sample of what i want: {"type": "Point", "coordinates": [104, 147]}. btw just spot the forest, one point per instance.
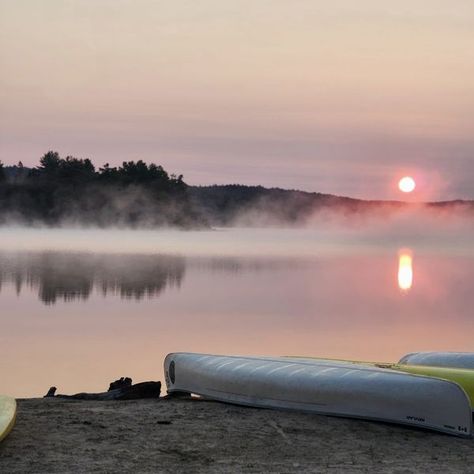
{"type": "Point", "coordinates": [72, 191]}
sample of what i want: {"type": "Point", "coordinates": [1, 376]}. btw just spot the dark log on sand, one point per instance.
{"type": "Point", "coordinates": [121, 389]}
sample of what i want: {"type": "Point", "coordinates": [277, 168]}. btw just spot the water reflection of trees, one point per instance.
{"type": "Point", "coordinates": [75, 276]}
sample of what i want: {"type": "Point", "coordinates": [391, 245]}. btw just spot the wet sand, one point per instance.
{"type": "Point", "coordinates": [149, 436]}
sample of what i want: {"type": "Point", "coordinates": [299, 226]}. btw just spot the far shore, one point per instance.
{"type": "Point", "coordinates": [196, 436]}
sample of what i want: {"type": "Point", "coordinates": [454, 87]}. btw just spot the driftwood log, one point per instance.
{"type": "Point", "coordinates": [121, 389]}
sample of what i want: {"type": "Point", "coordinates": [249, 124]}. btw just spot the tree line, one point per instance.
{"type": "Point", "coordinates": [71, 190]}
{"type": "Point", "coordinates": [70, 170]}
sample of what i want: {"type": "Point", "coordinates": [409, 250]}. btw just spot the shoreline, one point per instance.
{"type": "Point", "coordinates": [176, 435]}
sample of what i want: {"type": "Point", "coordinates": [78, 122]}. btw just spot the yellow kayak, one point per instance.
{"type": "Point", "coordinates": [7, 415]}
{"type": "Point", "coordinates": [463, 377]}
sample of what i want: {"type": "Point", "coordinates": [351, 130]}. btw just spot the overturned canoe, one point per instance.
{"type": "Point", "coordinates": [460, 360]}
{"type": "Point", "coordinates": [7, 415]}
{"type": "Point", "coordinates": [330, 388]}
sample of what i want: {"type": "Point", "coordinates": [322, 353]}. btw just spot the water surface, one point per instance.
{"type": "Point", "coordinates": [80, 308]}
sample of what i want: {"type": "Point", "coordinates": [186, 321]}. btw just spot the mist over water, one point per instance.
{"type": "Point", "coordinates": [449, 230]}
{"type": "Point", "coordinates": [81, 307]}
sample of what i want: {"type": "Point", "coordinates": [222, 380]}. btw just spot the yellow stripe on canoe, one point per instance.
{"type": "Point", "coordinates": [463, 377]}
{"type": "Point", "coordinates": [7, 415]}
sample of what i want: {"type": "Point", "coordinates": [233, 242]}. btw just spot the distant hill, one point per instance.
{"type": "Point", "coordinates": [253, 205]}
{"type": "Point", "coordinates": [71, 191]}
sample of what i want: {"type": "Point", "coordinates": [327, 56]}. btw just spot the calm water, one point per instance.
{"type": "Point", "coordinates": [80, 308]}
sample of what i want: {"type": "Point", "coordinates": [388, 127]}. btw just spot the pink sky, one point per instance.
{"type": "Point", "coordinates": [341, 97]}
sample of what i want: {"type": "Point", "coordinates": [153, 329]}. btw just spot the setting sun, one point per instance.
{"type": "Point", "coordinates": [407, 184]}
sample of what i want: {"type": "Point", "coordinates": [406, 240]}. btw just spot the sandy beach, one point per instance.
{"type": "Point", "coordinates": [149, 436]}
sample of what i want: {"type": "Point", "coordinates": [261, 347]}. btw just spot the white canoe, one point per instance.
{"type": "Point", "coordinates": [459, 360]}
{"type": "Point", "coordinates": [330, 388]}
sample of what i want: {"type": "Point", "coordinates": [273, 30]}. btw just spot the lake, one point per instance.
{"type": "Point", "coordinates": [82, 307]}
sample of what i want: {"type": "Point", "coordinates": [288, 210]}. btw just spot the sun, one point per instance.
{"type": "Point", "coordinates": [407, 184]}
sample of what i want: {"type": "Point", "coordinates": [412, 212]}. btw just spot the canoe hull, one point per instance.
{"type": "Point", "coordinates": [330, 388]}
{"type": "Point", "coordinates": [463, 377]}
{"type": "Point", "coordinates": [460, 360]}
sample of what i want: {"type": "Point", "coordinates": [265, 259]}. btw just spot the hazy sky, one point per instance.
{"type": "Point", "coordinates": [339, 96]}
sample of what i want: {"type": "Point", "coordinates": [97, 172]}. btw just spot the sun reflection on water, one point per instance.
{"type": "Point", "coordinates": [405, 269]}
